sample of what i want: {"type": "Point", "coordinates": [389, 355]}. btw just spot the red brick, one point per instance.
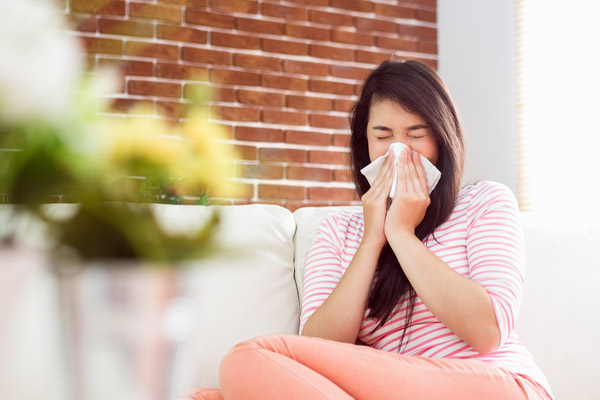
{"type": "Point", "coordinates": [284, 117]}
{"type": "Point", "coordinates": [190, 3]}
{"type": "Point", "coordinates": [354, 5]}
{"type": "Point", "coordinates": [306, 68]}
{"type": "Point", "coordinates": [236, 113]}
{"type": "Point", "coordinates": [255, 97]}
{"type": "Point", "coordinates": [102, 45]}
{"type": "Point", "coordinates": [258, 134]}
{"type": "Point", "coordinates": [430, 3]}
{"type": "Point", "coordinates": [257, 62]}
{"type": "Point", "coordinates": [198, 92]}
{"type": "Point", "coordinates": [330, 52]}
{"type": "Point", "coordinates": [240, 6]}
{"type": "Point", "coordinates": [420, 32]}
{"type": "Point", "coordinates": [341, 140]}
{"type": "Point", "coordinates": [181, 34]}
{"type": "Point", "coordinates": [328, 121]}
{"type": "Point", "coordinates": [154, 50]}
{"type": "Point", "coordinates": [260, 26]}
{"type": "Point", "coordinates": [129, 67]}
{"type": "Point", "coordinates": [285, 12]}
{"type": "Point", "coordinates": [371, 24]}
{"type": "Point", "coordinates": [152, 88]}
{"type": "Point", "coordinates": [307, 32]}
{"type": "Point", "coordinates": [364, 39]}
{"type": "Point", "coordinates": [327, 157]}
{"type": "Point", "coordinates": [396, 43]}
{"type": "Point", "coordinates": [84, 23]}
{"type": "Point", "coordinates": [123, 27]}
{"type": "Point", "coordinates": [234, 77]}
{"type": "Point", "coordinates": [170, 109]}
{"type": "Point", "coordinates": [311, 2]}
{"type": "Point", "coordinates": [156, 11]}
{"type": "Point", "coordinates": [181, 71]}
{"type": "Point", "coordinates": [284, 46]}
{"type": "Point", "coordinates": [125, 104]}
{"type": "Point", "coordinates": [209, 19]}
{"type": "Point", "coordinates": [342, 175]}
{"type": "Point", "coordinates": [206, 56]}
{"type": "Point", "coordinates": [426, 15]}
{"type": "Point", "coordinates": [234, 40]}
{"type": "Point", "coordinates": [331, 18]}
{"type": "Point", "coordinates": [372, 57]}
{"type": "Point", "coordinates": [323, 86]}
{"type": "Point", "coordinates": [284, 82]}
{"type": "Point", "coordinates": [307, 137]}
{"type": "Point", "coordinates": [426, 46]}
{"type": "Point", "coordinates": [245, 152]}
{"type": "Point", "coordinates": [281, 192]}
{"type": "Point", "coordinates": [309, 103]}
{"type": "Point", "coordinates": [254, 171]}
{"type": "Point", "coordinates": [344, 71]}
{"type": "Point", "coordinates": [394, 11]}
{"type": "Point", "coordinates": [282, 155]}
{"type": "Point", "coordinates": [102, 7]}
{"type": "Point", "coordinates": [343, 105]}
{"type": "Point", "coordinates": [332, 194]}
{"type": "Point", "coordinates": [309, 174]}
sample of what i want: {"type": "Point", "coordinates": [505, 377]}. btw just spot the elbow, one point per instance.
{"type": "Point", "coordinates": [487, 342]}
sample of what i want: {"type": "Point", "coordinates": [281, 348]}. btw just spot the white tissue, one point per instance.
{"type": "Point", "coordinates": [431, 172]}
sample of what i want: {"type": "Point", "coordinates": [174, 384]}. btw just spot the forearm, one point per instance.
{"type": "Point", "coordinates": [458, 302]}
{"type": "Point", "coordinates": [339, 318]}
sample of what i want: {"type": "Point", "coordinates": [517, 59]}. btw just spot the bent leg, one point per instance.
{"type": "Point", "coordinates": [294, 367]}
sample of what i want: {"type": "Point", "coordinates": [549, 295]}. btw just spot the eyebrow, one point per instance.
{"type": "Point", "coordinates": [418, 126]}
{"type": "Point", "coordinates": [410, 128]}
{"type": "Point", "coordinates": [382, 128]}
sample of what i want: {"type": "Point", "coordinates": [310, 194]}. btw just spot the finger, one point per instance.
{"type": "Point", "coordinates": [413, 175]}
{"type": "Point", "coordinates": [384, 179]}
{"type": "Point", "coordinates": [421, 173]}
{"type": "Point", "coordinates": [401, 184]}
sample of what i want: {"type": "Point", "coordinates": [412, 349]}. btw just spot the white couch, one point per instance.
{"type": "Point", "coordinates": [253, 289]}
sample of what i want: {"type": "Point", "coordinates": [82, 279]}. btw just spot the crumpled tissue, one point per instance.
{"type": "Point", "coordinates": [431, 172]}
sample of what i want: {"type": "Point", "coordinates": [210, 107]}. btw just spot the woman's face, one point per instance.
{"type": "Point", "coordinates": [389, 122]}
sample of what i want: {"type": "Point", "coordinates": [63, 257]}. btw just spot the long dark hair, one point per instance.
{"type": "Point", "coordinates": [418, 88]}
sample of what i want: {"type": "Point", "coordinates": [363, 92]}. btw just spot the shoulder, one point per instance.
{"type": "Point", "coordinates": [492, 199]}
{"type": "Point", "coordinates": [487, 193]}
{"type": "Point", "coordinates": [341, 224]}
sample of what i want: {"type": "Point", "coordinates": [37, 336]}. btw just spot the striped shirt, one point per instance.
{"type": "Point", "coordinates": [482, 240]}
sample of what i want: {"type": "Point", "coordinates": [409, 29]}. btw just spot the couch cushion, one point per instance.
{"type": "Point", "coordinates": [245, 292]}
{"type": "Point", "coordinates": [559, 320]}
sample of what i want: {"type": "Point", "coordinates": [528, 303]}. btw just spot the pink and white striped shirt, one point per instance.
{"type": "Point", "coordinates": [482, 240]}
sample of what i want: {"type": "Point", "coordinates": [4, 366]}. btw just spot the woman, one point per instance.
{"type": "Point", "coordinates": [414, 297]}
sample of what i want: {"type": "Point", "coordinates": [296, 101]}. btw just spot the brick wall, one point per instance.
{"type": "Point", "coordinates": [285, 73]}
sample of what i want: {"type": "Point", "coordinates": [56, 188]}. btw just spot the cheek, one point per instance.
{"type": "Point", "coordinates": [376, 150]}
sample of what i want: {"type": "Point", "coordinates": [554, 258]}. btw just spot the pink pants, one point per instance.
{"type": "Point", "coordinates": [295, 367]}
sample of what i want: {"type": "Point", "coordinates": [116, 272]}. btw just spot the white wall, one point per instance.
{"type": "Point", "coordinates": [477, 63]}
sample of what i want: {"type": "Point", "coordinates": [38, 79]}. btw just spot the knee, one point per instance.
{"type": "Point", "coordinates": [243, 356]}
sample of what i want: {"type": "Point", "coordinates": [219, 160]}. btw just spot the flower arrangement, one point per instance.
{"type": "Point", "coordinates": [63, 141]}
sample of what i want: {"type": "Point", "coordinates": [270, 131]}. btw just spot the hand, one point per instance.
{"type": "Point", "coordinates": [412, 196]}
{"type": "Point", "coordinates": [374, 203]}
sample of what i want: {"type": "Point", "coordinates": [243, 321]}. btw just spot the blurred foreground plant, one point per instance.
{"type": "Point", "coordinates": [68, 145]}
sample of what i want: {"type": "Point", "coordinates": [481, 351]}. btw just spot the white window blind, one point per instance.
{"type": "Point", "coordinates": [558, 115]}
